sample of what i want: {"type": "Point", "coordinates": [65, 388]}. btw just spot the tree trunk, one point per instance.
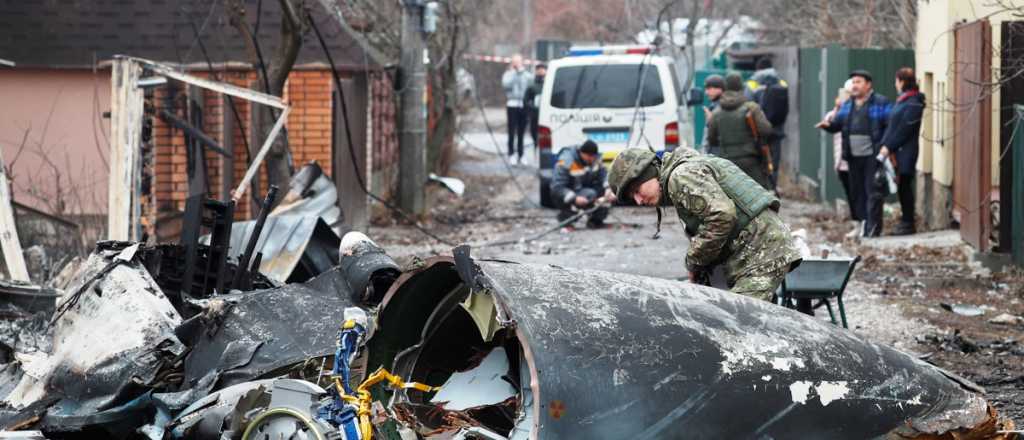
{"type": "Point", "coordinates": [272, 74]}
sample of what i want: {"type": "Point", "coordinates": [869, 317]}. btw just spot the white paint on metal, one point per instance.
{"type": "Point", "coordinates": [126, 112]}
{"type": "Point", "coordinates": [829, 392]}
{"type": "Point", "coordinates": [127, 321]}
{"type": "Point", "coordinates": [480, 386]}
{"type": "Point", "coordinates": [800, 391]}
{"type": "Point", "coordinates": [9, 242]}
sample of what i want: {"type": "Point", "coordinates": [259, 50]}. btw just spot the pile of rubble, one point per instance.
{"type": "Point", "coordinates": [452, 348]}
{"type": "Point", "coordinates": [280, 328]}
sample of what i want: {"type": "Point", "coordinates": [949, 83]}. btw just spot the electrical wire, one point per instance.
{"type": "Point", "coordinates": [399, 211]}
{"type": "Point", "coordinates": [351, 150]}
{"type": "Point", "coordinates": [231, 104]}
{"type": "Point", "coordinates": [504, 158]}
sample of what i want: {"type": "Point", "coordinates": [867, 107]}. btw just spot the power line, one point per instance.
{"type": "Point", "coordinates": [351, 150]}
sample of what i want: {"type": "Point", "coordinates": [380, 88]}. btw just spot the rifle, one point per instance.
{"type": "Point", "coordinates": [762, 143]}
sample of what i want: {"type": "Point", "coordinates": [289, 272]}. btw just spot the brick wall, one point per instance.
{"type": "Point", "coordinates": [308, 127]}
{"type": "Point", "coordinates": [384, 135]}
{"type": "Point", "coordinates": [309, 124]}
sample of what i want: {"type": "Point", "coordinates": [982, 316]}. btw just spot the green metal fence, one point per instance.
{"type": "Point", "coordinates": [699, 120]}
{"type": "Point", "coordinates": [822, 72]}
{"type": "Point", "coordinates": [1017, 216]}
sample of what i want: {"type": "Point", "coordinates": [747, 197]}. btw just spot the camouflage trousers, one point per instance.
{"type": "Point", "coordinates": [760, 285]}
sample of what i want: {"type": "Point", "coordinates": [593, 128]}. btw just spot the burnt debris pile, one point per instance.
{"type": "Point", "coordinates": [139, 344]}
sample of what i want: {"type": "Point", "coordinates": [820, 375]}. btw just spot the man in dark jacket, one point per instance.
{"type": "Point", "coordinates": [900, 142]}
{"type": "Point", "coordinates": [580, 180]}
{"type": "Point", "coordinates": [862, 120]}
{"type": "Point", "coordinates": [532, 100]}
{"type": "Point", "coordinates": [731, 134]}
{"type": "Point", "coordinates": [772, 94]}
{"type": "Point", "coordinates": [714, 86]}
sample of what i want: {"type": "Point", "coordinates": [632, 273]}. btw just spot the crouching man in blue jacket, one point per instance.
{"type": "Point", "coordinates": [580, 183]}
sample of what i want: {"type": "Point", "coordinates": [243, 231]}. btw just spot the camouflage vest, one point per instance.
{"type": "Point", "coordinates": [734, 137]}
{"type": "Point", "coordinates": [749, 197]}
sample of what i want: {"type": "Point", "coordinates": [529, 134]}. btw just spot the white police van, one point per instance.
{"type": "Point", "coordinates": [618, 96]}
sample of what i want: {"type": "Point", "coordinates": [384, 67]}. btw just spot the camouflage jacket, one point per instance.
{"type": "Point", "coordinates": [764, 245]}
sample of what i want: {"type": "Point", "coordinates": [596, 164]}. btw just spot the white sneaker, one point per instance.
{"type": "Point", "coordinates": [523, 160]}
{"type": "Point", "coordinates": [858, 230]}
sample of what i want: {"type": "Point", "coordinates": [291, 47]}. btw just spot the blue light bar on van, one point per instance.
{"type": "Point", "coordinates": [609, 50]}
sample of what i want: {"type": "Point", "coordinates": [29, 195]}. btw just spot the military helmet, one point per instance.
{"type": "Point", "coordinates": [629, 165]}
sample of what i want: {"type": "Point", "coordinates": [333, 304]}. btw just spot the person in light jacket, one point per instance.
{"type": "Point", "coordinates": [515, 81]}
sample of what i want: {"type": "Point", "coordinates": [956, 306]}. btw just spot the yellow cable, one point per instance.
{"type": "Point", "coordinates": [363, 400]}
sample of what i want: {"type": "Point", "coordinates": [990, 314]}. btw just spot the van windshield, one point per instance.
{"type": "Point", "coordinates": [606, 86]}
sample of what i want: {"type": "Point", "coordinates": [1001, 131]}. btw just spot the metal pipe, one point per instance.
{"type": "Point", "coordinates": [243, 262]}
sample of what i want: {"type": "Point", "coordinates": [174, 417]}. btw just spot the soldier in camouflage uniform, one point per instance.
{"type": "Point", "coordinates": [731, 134]}
{"type": "Point", "coordinates": [729, 218]}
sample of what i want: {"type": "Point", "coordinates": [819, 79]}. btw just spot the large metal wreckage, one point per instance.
{"type": "Point", "coordinates": [457, 348]}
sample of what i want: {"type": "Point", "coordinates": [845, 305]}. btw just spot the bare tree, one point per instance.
{"type": "Point", "coordinates": [272, 74]}
{"type": "Point", "coordinates": [851, 23]}
{"type": "Point", "coordinates": [378, 24]}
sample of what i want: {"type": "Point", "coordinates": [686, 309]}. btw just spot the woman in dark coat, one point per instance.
{"type": "Point", "coordinates": [900, 141]}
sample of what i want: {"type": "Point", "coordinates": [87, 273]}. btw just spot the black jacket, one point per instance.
{"type": "Point", "coordinates": [878, 114]}
{"type": "Point", "coordinates": [532, 92]}
{"type": "Point", "coordinates": [904, 129]}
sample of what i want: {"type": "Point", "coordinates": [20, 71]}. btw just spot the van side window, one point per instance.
{"type": "Point", "coordinates": [606, 86]}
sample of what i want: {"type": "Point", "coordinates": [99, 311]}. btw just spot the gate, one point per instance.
{"type": "Point", "coordinates": [972, 124]}
{"type": "Point", "coordinates": [1017, 211]}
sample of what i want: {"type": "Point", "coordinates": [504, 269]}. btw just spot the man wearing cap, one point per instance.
{"type": "Point", "coordinates": [862, 120]}
{"type": "Point", "coordinates": [579, 182]}
{"type": "Point", "coordinates": [731, 219]}
{"type": "Point", "coordinates": [736, 129]}
{"type": "Point", "coordinates": [714, 85]}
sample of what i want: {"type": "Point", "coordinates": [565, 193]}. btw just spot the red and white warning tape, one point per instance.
{"type": "Point", "coordinates": [496, 59]}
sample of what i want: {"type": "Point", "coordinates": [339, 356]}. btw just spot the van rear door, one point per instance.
{"type": "Point", "coordinates": [612, 103]}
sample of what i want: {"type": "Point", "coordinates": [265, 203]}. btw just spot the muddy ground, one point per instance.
{"type": "Point", "coordinates": [895, 296]}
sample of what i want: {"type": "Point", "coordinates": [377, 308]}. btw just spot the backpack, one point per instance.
{"type": "Point", "coordinates": [774, 101]}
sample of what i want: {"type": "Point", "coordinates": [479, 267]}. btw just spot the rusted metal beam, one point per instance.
{"type": "Point", "coordinates": [191, 130]}
{"type": "Point", "coordinates": [225, 88]}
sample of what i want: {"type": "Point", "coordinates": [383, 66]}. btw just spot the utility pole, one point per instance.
{"type": "Point", "coordinates": [527, 28]}
{"type": "Point", "coordinates": [412, 134]}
